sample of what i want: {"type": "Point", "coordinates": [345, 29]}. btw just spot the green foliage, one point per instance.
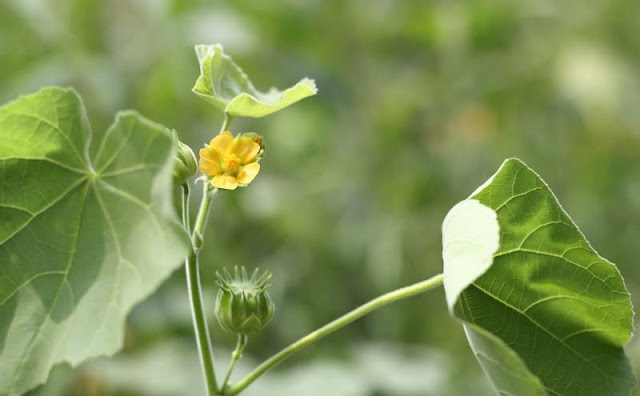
{"type": "Point", "coordinates": [224, 84]}
{"type": "Point", "coordinates": [82, 240]}
{"type": "Point", "coordinates": [549, 315]}
{"type": "Point", "coordinates": [406, 88]}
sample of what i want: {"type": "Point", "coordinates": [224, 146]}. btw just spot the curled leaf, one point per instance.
{"type": "Point", "coordinates": [223, 84]}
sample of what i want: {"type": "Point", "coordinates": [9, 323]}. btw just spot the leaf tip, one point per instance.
{"type": "Point", "coordinates": [203, 51]}
{"type": "Point", "coordinates": [311, 84]}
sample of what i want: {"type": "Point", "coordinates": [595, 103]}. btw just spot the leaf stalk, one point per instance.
{"type": "Point", "coordinates": [235, 356]}
{"type": "Point", "coordinates": [376, 303]}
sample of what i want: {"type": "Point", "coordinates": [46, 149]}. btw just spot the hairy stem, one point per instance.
{"type": "Point", "coordinates": [330, 327]}
{"type": "Point", "coordinates": [194, 287]}
{"type": "Point", "coordinates": [200, 323]}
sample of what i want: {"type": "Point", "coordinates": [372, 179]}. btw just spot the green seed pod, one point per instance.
{"type": "Point", "coordinates": [259, 140]}
{"type": "Point", "coordinates": [185, 164]}
{"type": "Point", "coordinates": [243, 305]}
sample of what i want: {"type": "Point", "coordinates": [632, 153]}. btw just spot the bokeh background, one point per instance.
{"type": "Point", "coordinates": [419, 102]}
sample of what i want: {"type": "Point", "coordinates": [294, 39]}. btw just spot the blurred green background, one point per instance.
{"type": "Point", "coordinates": [419, 102]}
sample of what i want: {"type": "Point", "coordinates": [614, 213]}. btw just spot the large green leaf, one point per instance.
{"type": "Point", "coordinates": [223, 84]}
{"type": "Point", "coordinates": [548, 315]}
{"type": "Point", "coordinates": [81, 240]}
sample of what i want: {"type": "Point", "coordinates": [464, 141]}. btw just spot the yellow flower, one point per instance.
{"type": "Point", "coordinates": [230, 162]}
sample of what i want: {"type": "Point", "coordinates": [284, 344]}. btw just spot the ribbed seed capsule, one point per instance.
{"type": "Point", "coordinates": [243, 304]}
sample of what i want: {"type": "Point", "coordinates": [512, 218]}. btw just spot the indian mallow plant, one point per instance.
{"type": "Point", "coordinates": [86, 234]}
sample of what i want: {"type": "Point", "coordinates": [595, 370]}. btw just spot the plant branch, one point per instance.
{"type": "Point", "coordinates": [192, 268]}
{"type": "Point", "coordinates": [342, 321]}
{"type": "Point", "coordinates": [194, 287]}
{"type": "Point", "coordinates": [200, 323]}
{"type": "Point", "coordinates": [226, 122]}
{"type": "Point", "coordinates": [235, 356]}
{"type": "Point", "coordinates": [203, 213]}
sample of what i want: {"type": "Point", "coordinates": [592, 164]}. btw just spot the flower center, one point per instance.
{"type": "Point", "coordinates": [231, 164]}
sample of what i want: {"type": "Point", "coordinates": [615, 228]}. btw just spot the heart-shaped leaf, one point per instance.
{"type": "Point", "coordinates": [81, 240]}
{"type": "Point", "coordinates": [548, 316]}
{"type": "Point", "coordinates": [223, 84]}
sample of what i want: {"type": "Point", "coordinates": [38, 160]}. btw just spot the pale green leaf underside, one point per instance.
{"type": "Point", "coordinates": [506, 370]}
{"type": "Point", "coordinates": [470, 237]}
{"type": "Point", "coordinates": [81, 240]}
{"type": "Point", "coordinates": [550, 316]}
{"type": "Point", "coordinates": [223, 84]}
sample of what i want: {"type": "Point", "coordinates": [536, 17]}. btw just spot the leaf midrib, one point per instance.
{"type": "Point", "coordinates": [540, 326]}
{"type": "Point", "coordinates": [55, 299]}
{"type": "Point", "coordinates": [55, 128]}
{"type": "Point", "coordinates": [46, 207]}
{"type": "Point", "coordinates": [465, 308]}
{"type": "Point", "coordinates": [89, 182]}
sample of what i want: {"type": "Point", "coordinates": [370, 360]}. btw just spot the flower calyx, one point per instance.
{"type": "Point", "coordinates": [243, 304]}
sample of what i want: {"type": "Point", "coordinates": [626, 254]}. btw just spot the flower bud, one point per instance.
{"type": "Point", "coordinates": [243, 305]}
{"type": "Point", "coordinates": [257, 139]}
{"type": "Point", "coordinates": [185, 164]}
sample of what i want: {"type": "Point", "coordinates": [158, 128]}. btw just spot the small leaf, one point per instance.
{"type": "Point", "coordinates": [549, 316]}
{"type": "Point", "coordinates": [224, 84]}
{"type": "Point", "coordinates": [81, 240]}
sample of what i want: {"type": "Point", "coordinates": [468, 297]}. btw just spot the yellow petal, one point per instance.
{"type": "Point", "coordinates": [222, 143]}
{"type": "Point", "coordinates": [248, 173]}
{"type": "Point", "coordinates": [245, 149]}
{"type": "Point", "coordinates": [225, 182]}
{"type": "Point", "coordinates": [210, 162]}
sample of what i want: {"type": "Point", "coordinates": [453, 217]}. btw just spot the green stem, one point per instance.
{"type": "Point", "coordinates": [235, 356]}
{"type": "Point", "coordinates": [342, 321]}
{"type": "Point", "coordinates": [226, 122]}
{"type": "Point", "coordinates": [200, 323]}
{"type": "Point", "coordinates": [201, 329]}
{"type": "Point", "coordinates": [203, 212]}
